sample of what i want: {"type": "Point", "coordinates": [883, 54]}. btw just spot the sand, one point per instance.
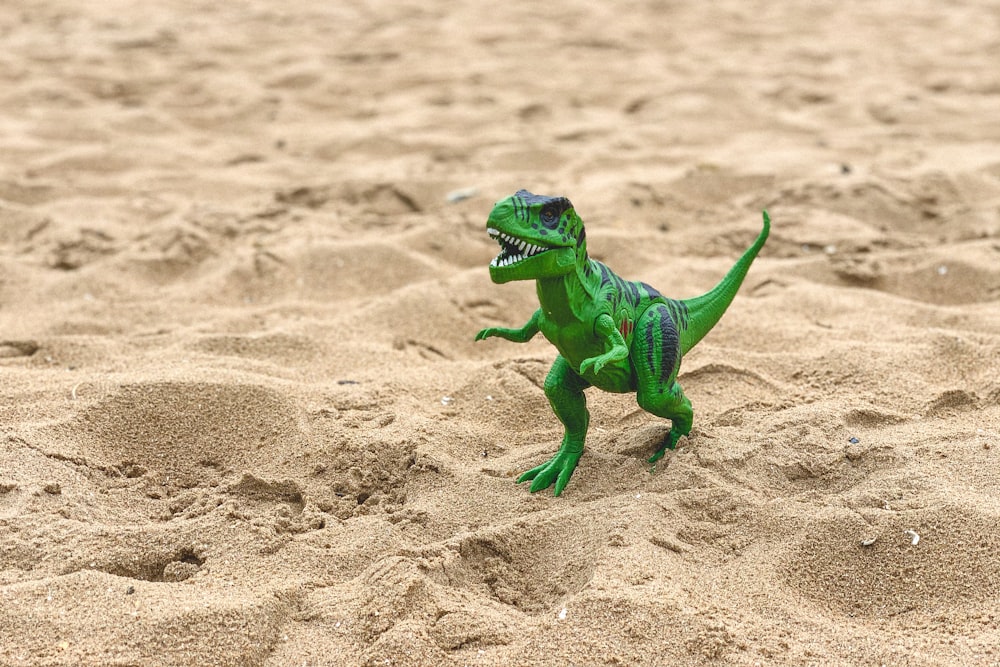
{"type": "Point", "coordinates": [243, 257]}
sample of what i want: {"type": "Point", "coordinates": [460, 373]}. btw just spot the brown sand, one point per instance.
{"type": "Point", "coordinates": [243, 418]}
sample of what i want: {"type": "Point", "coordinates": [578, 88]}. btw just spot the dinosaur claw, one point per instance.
{"type": "Point", "coordinates": [539, 484]}
{"type": "Point", "coordinates": [526, 476]}
{"type": "Point", "coordinates": [558, 470]}
{"type": "Point", "coordinates": [670, 442]}
{"type": "Point", "coordinates": [562, 481]}
{"type": "Point", "coordinates": [595, 365]}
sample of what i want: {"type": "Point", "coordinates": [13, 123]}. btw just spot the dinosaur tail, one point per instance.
{"type": "Point", "coordinates": [703, 312]}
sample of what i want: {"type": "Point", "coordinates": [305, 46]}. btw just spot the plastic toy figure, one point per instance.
{"type": "Point", "coordinates": [613, 334]}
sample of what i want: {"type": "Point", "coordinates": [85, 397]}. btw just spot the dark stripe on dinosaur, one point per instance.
{"type": "Point", "coordinates": [651, 291]}
{"type": "Point", "coordinates": [515, 203]}
{"type": "Point", "coordinates": [609, 283]}
{"type": "Point", "coordinates": [633, 291]}
{"type": "Point", "coordinates": [619, 287]}
{"type": "Point", "coordinates": [631, 294]}
{"type": "Point", "coordinates": [605, 275]}
{"type": "Point", "coordinates": [678, 311]}
{"type": "Point", "coordinates": [669, 346]}
{"type": "Point", "coordinates": [682, 313]}
{"type": "Point", "coordinates": [622, 287]}
{"type": "Point", "coordinates": [520, 209]}
{"type": "Point", "coordinates": [530, 199]}
{"type": "Point", "coordinates": [650, 345]}
{"type": "Point", "coordinates": [672, 308]}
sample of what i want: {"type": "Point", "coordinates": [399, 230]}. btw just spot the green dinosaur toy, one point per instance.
{"type": "Point", "coordinates": [613, 334]}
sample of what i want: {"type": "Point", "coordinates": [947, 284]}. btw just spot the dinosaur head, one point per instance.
{"type": "Point", "coordinates": [539, 237]}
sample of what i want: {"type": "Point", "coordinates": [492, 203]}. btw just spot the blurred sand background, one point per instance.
{"type": "Point", "coordinates": [242, 417]}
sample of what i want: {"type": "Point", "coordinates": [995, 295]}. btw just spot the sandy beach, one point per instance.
{"type": "Point", "coordinates": [243, 258]}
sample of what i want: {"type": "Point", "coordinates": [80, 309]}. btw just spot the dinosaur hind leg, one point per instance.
{"type": "Point", "coordinates": [564, 389]}
{"type": "Point", "coordinates": [671, 404]}
{"type": "Point", "coordinates": [656, 354]}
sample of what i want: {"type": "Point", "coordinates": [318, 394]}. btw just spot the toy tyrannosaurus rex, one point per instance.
{"type": "Point", "coordinates": [613, 334]}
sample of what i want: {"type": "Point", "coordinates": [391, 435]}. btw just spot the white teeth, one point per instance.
{"type": "Point", "coordinates": [514, 249]}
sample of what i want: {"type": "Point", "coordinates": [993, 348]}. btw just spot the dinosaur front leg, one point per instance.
{"type": "Point", "coordinates": [656, 355]}
{"type": "Point", "coordinates": [522, 335]}
{"type": "Point", "coordinates": [564, 389]}
{"type": "Point", "coordinates": [604, 327]}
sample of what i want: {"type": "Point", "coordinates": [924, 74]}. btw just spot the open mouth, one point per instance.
{"type": "Point", "coordinates": [512, 250]}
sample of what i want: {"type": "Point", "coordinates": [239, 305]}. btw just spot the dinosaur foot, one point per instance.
{"type": "Point", "coordinates": [669, 442]}
{"type": "Point", "coordinates": [558, 470]}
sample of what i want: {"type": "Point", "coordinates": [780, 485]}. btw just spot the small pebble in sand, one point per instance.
{"type": "Point", "coordinates": [853, 440]}
{"type": "Point", "coordinates": [914, 538]}
{"type": "Point", "coordinates": [456, 196]}
{"type": "Point", "coordinates": [868, 541]}
{"type": "Point", "coordinates": [446, 400]}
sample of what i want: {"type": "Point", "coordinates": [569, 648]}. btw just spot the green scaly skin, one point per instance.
{"type": "Point", "coordinates": [613, 334]}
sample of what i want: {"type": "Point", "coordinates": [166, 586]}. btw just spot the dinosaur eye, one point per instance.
{"type": "Point", "coordinates": [549, 216]}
